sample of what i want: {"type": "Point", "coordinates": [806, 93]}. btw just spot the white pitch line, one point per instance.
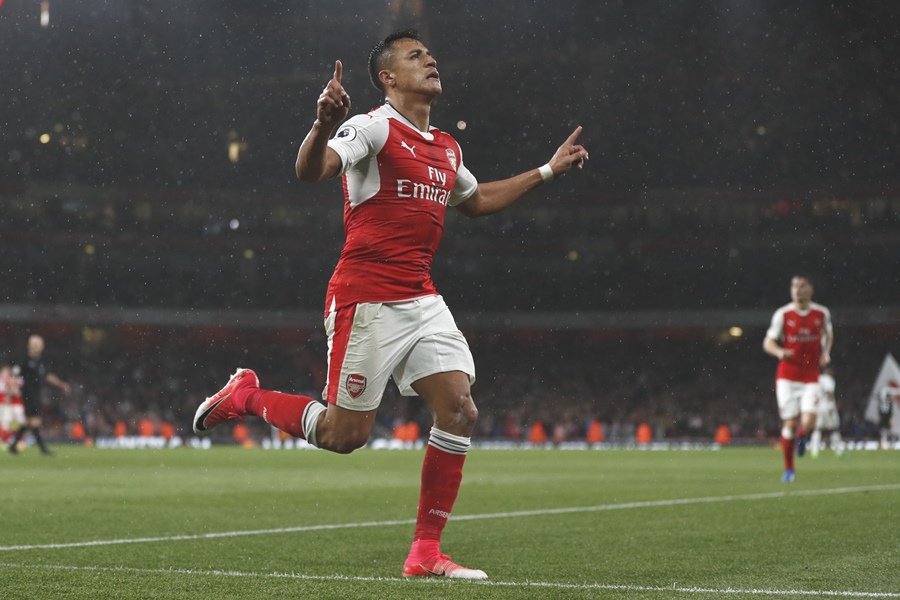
{"type": "Point", "coordinates": [206, 536]}
{"type": "Point", "coordinates": [510, 584]}
{"type": "Point", "coordinates": [503, 515]}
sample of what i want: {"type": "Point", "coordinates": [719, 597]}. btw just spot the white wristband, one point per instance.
{"type": "Point", "coordinates": [546, 173]}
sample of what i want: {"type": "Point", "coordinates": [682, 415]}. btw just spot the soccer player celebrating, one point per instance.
{"type": "Point", "coordinates": [383, 315]}
{"type": "Point", "coordinates": [800, 337]}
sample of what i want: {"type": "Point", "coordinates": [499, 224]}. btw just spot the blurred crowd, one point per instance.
{"type": "Point", "coordinates": [669, 95]}
{"type": "Point", "coordinates": [697, 249]}
{"type": "Point", "coordinates": [683, 387]}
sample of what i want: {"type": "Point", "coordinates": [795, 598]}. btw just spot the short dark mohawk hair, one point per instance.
{"type": "Point", "coordinates": [380, 53]}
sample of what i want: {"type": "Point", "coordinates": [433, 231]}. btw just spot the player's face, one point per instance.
{"type": "Point", "coordinates": [414, 69]}
{"type": "Point", "coordinates": [801, 290]}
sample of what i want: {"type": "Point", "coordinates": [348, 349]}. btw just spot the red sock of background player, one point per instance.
{"type": "Point", "coordinates": [441, 477]}
{"type": "Point", "coordinates": [292, 414]}
{"type": "Point", "coordinates": [787, 447]}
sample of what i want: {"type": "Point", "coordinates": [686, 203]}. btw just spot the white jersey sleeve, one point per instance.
{"type": "Point", "coordinates": [776, 327]}
{"type": "Point", "coordinates": [827, 327]}
{"type": "Point", "coordinates": [465, 186]}
{"type": "Point", "coordinates": [359, 137]}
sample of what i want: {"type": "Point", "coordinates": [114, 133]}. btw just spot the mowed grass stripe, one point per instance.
{"type": "Point", "coordinates": [515, 514]}
{"type": "Point", "coordinates": [513, 584]}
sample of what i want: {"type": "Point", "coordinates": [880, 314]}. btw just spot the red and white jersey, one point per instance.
{"type": "Point", "coordinates": [10, 387]}
{"type": "Point", "coordinates": [803, 332]}
{"type": "Point", "coordinates": [398, 182]}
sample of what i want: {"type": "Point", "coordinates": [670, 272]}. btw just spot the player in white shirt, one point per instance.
{"type": "Point", "coordinates": [828, 420]}
{"type": "Point", "coordinates": [383, 315]}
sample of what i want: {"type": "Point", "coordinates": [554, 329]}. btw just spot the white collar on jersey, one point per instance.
{"type": "Point", "coordinates": [399, 116]}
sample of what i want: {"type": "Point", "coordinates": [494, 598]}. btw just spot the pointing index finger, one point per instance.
{"type": "Point", "coordinates": [338, 68]}
{"type": "Point", "coordinates": [571, 139]}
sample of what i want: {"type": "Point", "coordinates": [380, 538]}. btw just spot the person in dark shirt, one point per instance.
{"type": "Point", "coordinates": [886, 399]}
{"type": "Point", "coordinates": [34, 373]}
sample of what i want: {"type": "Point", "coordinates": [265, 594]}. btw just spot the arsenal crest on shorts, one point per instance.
{"type": "Point", "coordinates": [356, 385]}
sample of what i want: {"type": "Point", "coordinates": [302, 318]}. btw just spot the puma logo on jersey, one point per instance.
{"type": "Point", "coordinates": [412, 149]}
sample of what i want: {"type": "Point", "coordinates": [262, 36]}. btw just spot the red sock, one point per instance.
{"type": "Point", "coordinates": [284, 411]}
{"type": "Point", "coordinates": [787, 448]}
{"type": "Point", "coordinates": [441, 476]}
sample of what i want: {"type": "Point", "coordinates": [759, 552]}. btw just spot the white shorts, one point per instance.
{"type": "Point", "coordinates": [371, 342]}
{"type": "Point", "coordinates": [11, 414]}
{"type": "Point", "coordinates": [795, 397]}
{"type": "Point", "coordinates": [827, 416]}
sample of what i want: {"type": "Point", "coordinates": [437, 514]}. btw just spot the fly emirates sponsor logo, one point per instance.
{"type": "Point", "coordinates": [434, 189]}
{"type": "Point", "coordinates": [804, 336]}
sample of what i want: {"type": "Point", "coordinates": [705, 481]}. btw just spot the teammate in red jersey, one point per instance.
{"type": "Point", "coordinates": [800, 337]}
{"type": "Point", "coordinates": [12, 411]}
{"type": "Point", "coordinates": [383, 315]}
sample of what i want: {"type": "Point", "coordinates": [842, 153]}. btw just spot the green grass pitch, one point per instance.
{"type": "Point", "coordinates": [252, 523]}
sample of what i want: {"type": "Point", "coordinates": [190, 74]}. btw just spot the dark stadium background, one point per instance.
{"type": "Point", "coordinates": [152, 229]}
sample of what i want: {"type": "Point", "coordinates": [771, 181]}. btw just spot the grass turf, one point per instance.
{"type": "Point", "coordinates": [237, 523]}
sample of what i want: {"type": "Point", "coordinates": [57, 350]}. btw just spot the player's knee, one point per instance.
{"type": "Point", "coordinates": [465, 413]}
{"type": "Point", "coordinates": [343, 442]}
{"type": "Point", "coordinates": [470, 412]}
{"type": "Point", "coordinates": [348, 446]}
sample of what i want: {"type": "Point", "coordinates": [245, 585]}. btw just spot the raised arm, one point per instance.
{"type": "Point", "coordinates": [315, 160]}
{"type": "Point", "coordinates": [494, 196]}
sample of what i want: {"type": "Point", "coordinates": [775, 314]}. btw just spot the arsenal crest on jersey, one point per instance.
{"type": "Point", "coordinates": [451, 156]}
{"type": "Point", "coordinates": [356, 385]}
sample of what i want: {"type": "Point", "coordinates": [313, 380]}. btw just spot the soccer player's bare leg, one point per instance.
{"type": "Point", "coordinates": [343, 431]}
{"type": "Point", "coordinates": [807, 422]}
{"type": "Point", "coordinates": [807, 425]}
{"type": "Point", "coordinates": [788, 444]}
{"type": "Point", "coordinates": [33, 424]}
{"type": "Point", "coordinates": [332, 428]}
{"type": "Point", "coordinates": [449, 398]}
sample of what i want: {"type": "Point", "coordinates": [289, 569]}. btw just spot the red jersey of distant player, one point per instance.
{"type": "Point", "coordinates": [801, 331]}
{"type": "Point", "coordinates": [398, 183]}
{"type": "Point", "coordinates": [10, 387]}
